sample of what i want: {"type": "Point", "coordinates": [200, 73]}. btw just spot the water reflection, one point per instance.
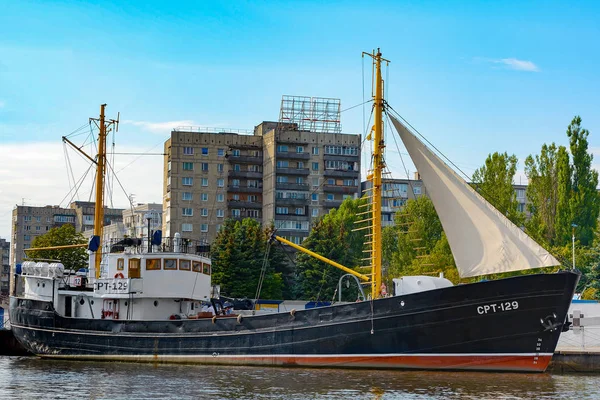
{"type": "Point", "coordinates": [32, 378]}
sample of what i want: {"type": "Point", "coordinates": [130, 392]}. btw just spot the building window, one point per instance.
{"type": "Point", "coordinates": [521, 207]}
{"type": "Point", "coordinates": [282, 179]}
{"type": "Point", "coordinates": [314, 197]}
{"type": "Point", "coordinates": [330, 197]}
{"type": "Point", "coordinates": [299, 211]}
{"type": "Point", "coordinates": [253, 168]}
{"type": "Point", "coordinates": [300, 165]}
{"type": "Point", "coordinates": [188, 166]}
{"type": "Point", "coordinates": [186, 196]}
{"type": "Point", "coordinates": [315, 182]}
{"type": "Point", "coordinates": [27, 218]}
{"type": "Point", "coordinates": [235, 183]}
{"type": "Point", "coordinates": [236, 197]}
{"type": "Point", "coordinates": [188, 151]}
{"type": "Point", "coordinates": [187, 212]}
{"type": "Point", "coordinates": [205, 151]}
{"type": "Point", "coordinates": [204, 228]}
{"type": "Point", "coordinates": [219, 167]}
{"type": "Point", "coordinates": [315, 212]}
{"type": "Point", "coordinates": [520, 193]}
{"type": "Point", "coordinates": [220, 152]}
{"type": "Point", "coordinates": [220, 213]}
{"type": "Point", "coordinates": [416, 189]}
{"type": "Point", "coordinates": [204, 196]}
{"type": "Point", "coordinates": [299, 180]}
{"type": "Point", "coordinates": [204, 181]}
{"type": "Point", "coordinates": [187, 181]}
{"type": "Point", "coordinates": [235, 153]}
{"type": "Point", "coordinates": [27, 227]}
{"type": "Point", "coordinates": [315, 166]}
{"type": "Point", "coordinates": [204, 212]}
{"type": "Point", "coordinates": [236, 167]}
{"type": "Point", "coordinates": [282, 148]}
{"type": "Point", "coordinates": [281, 210]}
{"type": "Point", "coordinates": [204, 166]}
{"type": "Point", "coordinates": [27, 238]}
{"type": "Point", "coordinates": [331, 181]}
{"type": "Point", "coordinates": [252, 198]}
{"type": "Point", "coordinates": [39, 219]}
{"type": "Point", "coordinates": [220, 182]}
{"type": "Point", "coordinates": [315, 151]}
{"type": "Point", "coordinates": [169, 166]}
{"type": "Point", "coordinates": [37, 228]}
{"type": "Point", "coordinates": [299, 149]}
{"type": "Point", "coordinates": [252, 184]}
{"type": "Point", "coordinates": [220, 197]}
{"type": "Point", "coordinates": [283, 164]}
{"type": "Point", "coordinates": [253, 213]}
{"type": "Point", "coordinates": [235, 212]}
{"type": "Point", "coordinates": [186, 227]}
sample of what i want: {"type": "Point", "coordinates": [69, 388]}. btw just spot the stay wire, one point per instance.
{"type": "Point", "coordinates": [263, 272]}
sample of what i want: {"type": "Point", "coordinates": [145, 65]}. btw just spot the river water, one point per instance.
{"type": "Point", "coordinates": [33, 378]}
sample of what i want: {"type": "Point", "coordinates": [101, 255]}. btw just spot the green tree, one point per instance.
{"type": "Point", "coordinates": [494, 181]}
{"type": "Point", "coordinates": [416, 244]}
{"type": "Point", "coordinates": [584, 199]}
{"type": "Point", "coordinates": [61, 236]}
{"type": "Point", "coordinates": [237, 260]}
{"type": "Point", "coordinates": [548, 193]}
{"type": "Point", "coordinates": [331, 237]}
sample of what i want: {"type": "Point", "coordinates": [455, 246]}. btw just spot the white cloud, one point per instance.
{"type": "Point", "coordinates": [511, 63]}
{"type": "Point", "coordinates": [160, 127]}
{"type": "Point", "coordinates": [36, 174]}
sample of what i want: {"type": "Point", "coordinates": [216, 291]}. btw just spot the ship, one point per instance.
{"type": "Point", "coordinates": [142, 300]}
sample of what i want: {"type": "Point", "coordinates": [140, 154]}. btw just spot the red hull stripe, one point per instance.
{"type": "Point", "coordinates": [491, 362]}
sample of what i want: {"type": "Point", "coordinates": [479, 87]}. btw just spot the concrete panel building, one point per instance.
{"type": "Point", "coordinates": [4, 267]}
{"type": "Point", "coordinates": [281, 173]}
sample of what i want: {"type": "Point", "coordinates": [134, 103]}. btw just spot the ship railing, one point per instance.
{"type": "Point", "coordinates": [167, 245]}
{"type": "Point", "coordinates": [584, 333]}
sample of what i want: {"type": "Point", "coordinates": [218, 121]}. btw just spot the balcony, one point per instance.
{"type": "Point", "coordinates": [332, 203]}
{"type": "Point", "coordinates": [291, 186]}
{"type": "Point", "coordinates": [290, 155]}
{"type": "Point", "coordinates": [291, 217]}
{"type": "Point", "coordinates": [292, 171]}
{"type": "Point", "coordinates": [244, 189]}
{"type": "Point", "coordinates": [291, 202]}
{"type": "Point", "coordinates": [342, 173]}
{"type": "Point", "coordinates": [245, 174]}
{"type": "Point", "coordinates": [244, 159]}
{"type": "Point", "coordinates": [340, 189]}
{"type": "Point", "coordinates": [340, 157]}
{"type": "Point", "coordinates": [244, 204]}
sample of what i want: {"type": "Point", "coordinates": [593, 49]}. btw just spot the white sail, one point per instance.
{"type": "Point", "coordinates": [483, 241]}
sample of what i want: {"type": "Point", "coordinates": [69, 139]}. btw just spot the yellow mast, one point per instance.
{"type": "Point", "coordinates": [103, 126]}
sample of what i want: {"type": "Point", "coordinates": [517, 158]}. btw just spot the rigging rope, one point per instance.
{"type": "Point", "coordinates": [263, 272]}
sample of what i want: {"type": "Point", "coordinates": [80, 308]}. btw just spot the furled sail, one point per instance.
{"type": "Point", "coordinates": [483, 241]}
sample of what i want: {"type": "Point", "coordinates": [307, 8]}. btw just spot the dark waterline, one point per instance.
{"type": "Point", "coordinates": [33, 378]}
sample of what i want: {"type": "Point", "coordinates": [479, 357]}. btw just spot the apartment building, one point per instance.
{"type": "Point", "coordinates": [4, 267]}
{"type": "Point", "coordinates": [281, 173]}
{"type": "Point", "coordinates": [396, 192]}
{"type": "Point", "coordinates": [29, 222]}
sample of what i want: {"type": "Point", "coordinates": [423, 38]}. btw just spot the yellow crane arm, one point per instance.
{"type": "Point", "coordinates": [327, 260]}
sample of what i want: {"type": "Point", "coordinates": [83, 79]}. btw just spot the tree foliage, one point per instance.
{"type": "Point", "coordinates": [331, 237]}
{"type": "Point", "coordinates": [238, 253]}
{"type": "Point", "coordinates": [416, 244]}
{"type": "Point", "coordinates": [494, 181]}
{"type": "Point", "coordinates": [61, 236]}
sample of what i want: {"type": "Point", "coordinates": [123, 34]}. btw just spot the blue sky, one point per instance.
{"type": "Point", "coordinates": [474, 77]}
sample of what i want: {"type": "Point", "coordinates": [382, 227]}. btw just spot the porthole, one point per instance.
{"type": "Point", "coordinates": [43, 285]}
{"type": "Point", "coordinates": [38, 284]}
{"type": "Point", "coordinates": [82, 301]}
{"type": "Point", "coordinates": [155, 303]}
{"type": "Point", "coordinates": [92, 302]}
{"type": "Point", "coordinates": [125, 304]}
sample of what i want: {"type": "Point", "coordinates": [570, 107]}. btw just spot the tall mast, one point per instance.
{"type": "Point", "coordinates": [103, 126]}
{"type": "Point", "coordinates": [375, 176]}
{"type": "Point", "coordinates": [100, 172]}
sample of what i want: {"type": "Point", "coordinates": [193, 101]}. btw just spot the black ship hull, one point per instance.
{"type": "Point", "coordinates": [505, 325]}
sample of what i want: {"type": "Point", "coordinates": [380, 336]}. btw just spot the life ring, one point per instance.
{"type": "Point", "coordinates": [119, 275]}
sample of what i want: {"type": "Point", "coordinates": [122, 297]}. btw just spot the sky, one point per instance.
{"type": "Point", "coordinates": [472, 77]}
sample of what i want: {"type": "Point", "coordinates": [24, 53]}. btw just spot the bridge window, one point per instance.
{"type": "Point", "coordinates": [197, 266]}
{"type": "Point", "coordinates": [153, 263]}
{"type": "Point", "coordinates": [206, 268]}
{"type": "Point", "coordinates": [184, 265]}
{"type": "Point", "coordinates": [120, 264]}
{"type": "Point", "coordinates": [170, 263]}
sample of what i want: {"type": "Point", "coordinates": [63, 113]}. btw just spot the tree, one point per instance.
{"type": "Point", "coordinates": [331, 237]}
{"type": "Point", "coordinates": [494, 181]}
{"type": "Point", "coordinates": [61, 236]}
{"type": "Point", "coordinates": [238, 254]}
{"type": "Point", "coordinates": [416, 244]}
{"type": "Point", "coordinates": [548, 193]}
{"type": "Point", "coordinates": [584, 199]}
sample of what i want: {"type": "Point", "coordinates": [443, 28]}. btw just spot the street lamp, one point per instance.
{"type": "Point", "coordinates": [573, 226]}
